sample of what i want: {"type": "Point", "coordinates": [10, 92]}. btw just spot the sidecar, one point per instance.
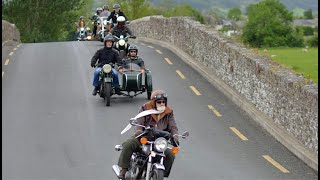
{"type": "Point", "coordinates": [133, 82]}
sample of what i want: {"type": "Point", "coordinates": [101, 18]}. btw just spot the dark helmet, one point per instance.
{"type": "Point", "coordinates": [133, 47]}
{"type": "Point", "coordinates": [81, 17]}
{"type": "Point", "coordinates": [116, 6]}
{"type": "Point", "coordinates": [105, 7]}
{"type": "Point", "coordinates": [159, 95]}
{"type": "Point", "coordinates": [108, 37]}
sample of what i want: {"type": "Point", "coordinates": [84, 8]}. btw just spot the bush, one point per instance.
{"type": "Point", "coordinates": [313, 42]}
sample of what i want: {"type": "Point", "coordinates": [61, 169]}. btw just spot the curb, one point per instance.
{"type": "Point", "coordinates": [286, 139]}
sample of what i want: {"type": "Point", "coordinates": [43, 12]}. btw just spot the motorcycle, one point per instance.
{"type": "Point", "coordinates": [105, 79]}
{"type": "Point", "coordinates": [148, 163]}
{"type": "Point", "coordinates": [122, 45]}
{"type": "Point", "coordinates": [103, 26]}
{"type": "Point", "coordinates": [83, 34]}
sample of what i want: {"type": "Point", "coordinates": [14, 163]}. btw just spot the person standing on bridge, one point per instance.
{"type": "Point", "coordinates": [106, 55]}
{"type": "Point", "coordinates": [164, 121]}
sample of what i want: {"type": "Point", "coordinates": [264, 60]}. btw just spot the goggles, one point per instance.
{"type": "Point", "coordinates": [161, 102]}
{"type": "Point", "coordinates": [161, 96]}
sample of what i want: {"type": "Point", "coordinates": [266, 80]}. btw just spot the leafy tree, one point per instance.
{"type": "Point", "coordinates": [313, 42]}
{"type": "Point", "coordinates": [185, 10]}
{"type": "Point", "coordinates": [308, 14]}
{"type": "Point", "coordinates": [234, 14]}
{"type": "Point", "coordinates": [43, 20]}
{"type": "Point", "coordinates": [269, 25]}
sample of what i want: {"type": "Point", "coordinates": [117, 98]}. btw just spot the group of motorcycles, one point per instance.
{"type": "Point", "coordinates": [148, 163]}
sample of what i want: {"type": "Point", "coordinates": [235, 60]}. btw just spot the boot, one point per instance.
{"type": "Point", "coordinates": [122, 174]}
{"type": "Point", "coordinates": [117, 90]}
{"type": "Point", "coordinates": [95, 91]}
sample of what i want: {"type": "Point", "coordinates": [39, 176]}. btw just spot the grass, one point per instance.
{"type": "Point", "coordinates": [299, 61]}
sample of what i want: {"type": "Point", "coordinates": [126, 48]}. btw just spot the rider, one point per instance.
{"type": "Point", "coordinates": [80, 24]}
{"type": "Point", "coordinates": [105, 56]}
{"type": "Point", "coordinates": [95, 18]}
{"type": "Point", "coordinates": [105, 12]}
{"type": "Point", "coordinates": [133, 58]}
{"type": "Point", "coordinates": [116, 13]}
{"type": "Point", "coordinates": [164, 121]}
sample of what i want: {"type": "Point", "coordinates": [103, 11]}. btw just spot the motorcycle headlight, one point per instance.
{"type": "Point", "coordinates": [161, 144]}
{"type": "Point", "coordinates": [82, 29]}
{"type": "Point", "coordinates": [88, 37]}
{"type": "Point", "coordinates": [106, 68]}
{"type": "Point", "coordinates": [88, 29]}
{"type": "Point", "coordinates": [122, 42]}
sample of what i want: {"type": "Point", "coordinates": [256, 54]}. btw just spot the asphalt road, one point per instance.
{"type": "Point", "coordinates": [53, 128]}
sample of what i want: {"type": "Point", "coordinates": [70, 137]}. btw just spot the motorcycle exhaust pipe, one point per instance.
{"type": "Point", "coordinates": [116, 170]}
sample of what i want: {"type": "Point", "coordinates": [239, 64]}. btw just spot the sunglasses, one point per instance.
{"type": "Point", "coordinates": [159, 102]}
{"type": "Point", "coordinates": [161, 96]}
{"type": "Point", "coordinates": [133, 51]}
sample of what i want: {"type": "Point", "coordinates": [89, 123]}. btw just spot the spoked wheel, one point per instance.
{"type": "Point", "coordinates": [107, 93]}
{"type": "Point", "coordinates": [157, 174]}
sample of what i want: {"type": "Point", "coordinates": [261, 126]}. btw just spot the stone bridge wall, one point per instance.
{"type": "Point", "coordinates": [288, 99]}
{"type": "Point", "coordinates": [9, 32]}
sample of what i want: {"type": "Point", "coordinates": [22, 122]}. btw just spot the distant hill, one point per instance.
{"type": "Point", "coordinates": [242, 4]}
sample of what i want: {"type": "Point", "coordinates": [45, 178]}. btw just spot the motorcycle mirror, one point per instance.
{"type": "Point", "coordinates": [132, 121]}
{"type": "Point", "coordinates": [185, 134]}
{"type": "Point", "coordinates": [127, 22]}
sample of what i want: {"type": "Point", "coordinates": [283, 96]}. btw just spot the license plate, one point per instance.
{"type": "Point", "coordinates": [107, 79]}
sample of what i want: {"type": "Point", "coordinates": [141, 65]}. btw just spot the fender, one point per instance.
{"type": "Point", "coordinates": [158, 166]}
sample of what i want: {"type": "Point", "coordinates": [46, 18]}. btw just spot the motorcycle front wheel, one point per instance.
{"type": "Point", "coordinates": [157, 174]}
{"type": "Point", "coordinates": [107, 93]}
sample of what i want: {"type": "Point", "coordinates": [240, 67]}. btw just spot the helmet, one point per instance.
{"type": "Point", "coordinates": [108, 37]}
{"type": "Point", "coordinates": [121, 20]}
{"type": "Point", "coordinates": [115, 6]}
{"type": "Point", "coordinates": [105, 7]}
{"type": "Point", "coordinates": [159, 94]}
{"type": "Point", "coordinates": [99, 10]}
{"type": "Point", "coordinates": [81, 17]}
{"type": "Point", "coordinates": [133, 47]}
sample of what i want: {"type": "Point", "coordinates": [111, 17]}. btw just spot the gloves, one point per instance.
{"type": "Point", "coordinates": [138, 132]}
{"type": "Point", "coordinates": [93, 65]}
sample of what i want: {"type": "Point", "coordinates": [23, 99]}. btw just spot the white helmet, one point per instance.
{"type": "Point", "coordinates": [121, 19]}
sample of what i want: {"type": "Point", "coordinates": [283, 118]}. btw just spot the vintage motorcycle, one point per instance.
{"type": "Point", "coordinates": [84, 34]}
{"type": "Point", "coordinates": [148, 163]}
{"type": "Point", "coordinates": [102, 28]}
{"type": "Point", "coordinates": [132, 81]}
{"type": "Point", "coordinates": [122, 45]}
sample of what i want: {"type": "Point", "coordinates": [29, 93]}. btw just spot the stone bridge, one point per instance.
{"type": "Point", "coordinates": [284, 104]}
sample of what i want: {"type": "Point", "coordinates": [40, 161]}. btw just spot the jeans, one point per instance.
{"type": "Point", "coordinates": [96, 82]}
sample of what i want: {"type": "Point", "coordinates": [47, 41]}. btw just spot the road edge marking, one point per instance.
{"type": "Point", "coordinates": [6, 62]}
{"type": "Point", "coordinates": [239, 134]}
{"type": "Point", "coordinates": [168, 61]}
{"type": "Point", "coordinates": [158, 51]}
{"type": "Point", "coordinates": [275, 163]}
{"type": "Point", "coordinates": [195, 90]}
{"type": "Point", "coordinates": [214, 111]}
{"type": "Point", "coordinates": [180, 74]}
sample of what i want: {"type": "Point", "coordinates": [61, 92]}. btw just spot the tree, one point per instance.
{"type": "Point", "coordinates": [234, 14]}
{"type": "Point", "coordinates": [269, 25]}
{"type": "Point", "coordinates": [42, 20]}
{"type": "Point", "coordinates": [308, 14]}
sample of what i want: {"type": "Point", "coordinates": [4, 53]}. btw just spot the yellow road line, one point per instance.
{"type": "Point", "coordinates": [6, 62]}
{"type": "Point", "coordinates": [180, 74]}
{"type": "Point", "coordinates": [2, 73]}
{"type": "Point", "coordinates": [11, 54]}
{"type": "Point", "coordinates": [159, 51]}
{"type": "Point", "coordinates": [14, 48]}
{"type": "Point", "coordinates": [214, 110]}
{"type": "Point", "coordinates": [150, 47]}
{"type": "Point", "coordinates": [168, 61]}
{"type": "Point", "coordinates": [235, 130]}
{"type": "Point", "coordinates": [276, 164]}
{"type": "Point", "coordinates": [19, 45]}
{"type": "Point", "coordinates": [195, 90]}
